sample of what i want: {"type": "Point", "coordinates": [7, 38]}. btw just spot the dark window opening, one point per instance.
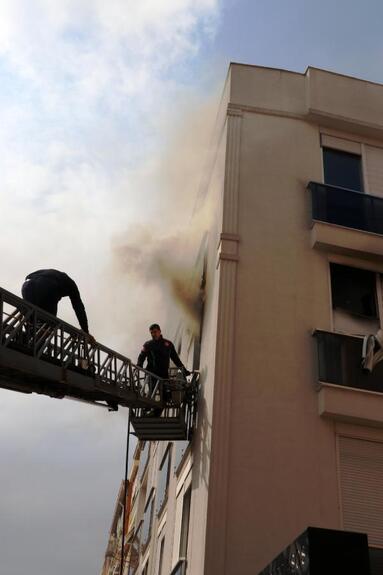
{"type": "Point", "coordinates": [342, 169]}
{"type": "Point", "coordinates": [185, 524]}
{"type": "Point", "coordinates": [354, 290]}
{"type": "Point", "coordinates": [161, 556]}
{"type": "Point", "coordinates": [144, 458]}
{"type": "Point", "coordinates": [163, 480]}
{"type": "Point", "coordinates": [147, 521]}
{"type": "Point", "coordinates": [180, 448]}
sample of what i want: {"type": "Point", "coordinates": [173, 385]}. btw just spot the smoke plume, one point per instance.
{"type": "Point", "coordinates": [167, 263]}
{"type": "Point", "coordinates": [158, 257]}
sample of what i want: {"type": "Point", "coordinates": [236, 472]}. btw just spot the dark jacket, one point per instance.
{"type": "Point", "coordinates": [45, 288]}
{"type": "Point", "coordinates": [158, 354]}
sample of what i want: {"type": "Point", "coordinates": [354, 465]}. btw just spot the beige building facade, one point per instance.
{"type": "Point", "coordinates": [290, 429]}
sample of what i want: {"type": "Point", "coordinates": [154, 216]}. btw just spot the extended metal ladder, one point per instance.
{"type": "Point", "coordinates": [40, 353]}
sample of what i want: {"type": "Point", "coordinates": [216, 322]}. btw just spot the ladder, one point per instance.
{"type": "Point", "coordinates": [40, 353]}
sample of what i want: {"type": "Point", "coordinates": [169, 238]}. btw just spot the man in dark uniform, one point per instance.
{"type": "Point", "coordinates": [45, 288]}
{"type": "Point", "coordinates": [158, 352]}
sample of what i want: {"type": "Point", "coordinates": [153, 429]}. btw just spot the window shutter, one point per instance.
{"type": "Point", "coordinates": [374, 168]}
{"type": "Point", "coordinates": [361, 479]}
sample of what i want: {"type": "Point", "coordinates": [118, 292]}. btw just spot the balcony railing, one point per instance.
{"type": "Point", "coordinates": [339, 362]}
{"type": "Point", "coordinates": [346, 208]}
{"type": "Point", "coordinates": [376, 561]}
{"type": "Point", "coordinates": [323, 551]}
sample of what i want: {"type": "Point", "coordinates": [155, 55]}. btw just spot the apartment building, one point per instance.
{"type": "Point", "coordinates": [289, 437]}
{"type": "Point", "coordinates": [123, 524]}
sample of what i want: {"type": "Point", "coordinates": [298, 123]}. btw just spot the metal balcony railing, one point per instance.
{"type": "Point", "coordinates": [177, 419]}
{"type": "Point", "coordinates": [376, 561]}
{"type": "Point", "coordinates": [339, 362]}
{"type": "Point", "coordinates": [346, 208]}
{"type": "Point", "coordinates": [323, 551]}
{"type": "Point", "coordinates": [42, 354]}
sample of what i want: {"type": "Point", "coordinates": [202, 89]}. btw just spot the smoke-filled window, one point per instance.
{"type": "Point", "coordinates": [355, 299]}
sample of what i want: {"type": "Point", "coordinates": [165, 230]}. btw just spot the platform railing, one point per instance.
{"type": "Point", "coordinates": [33, 332]}
{"type": "Point", "coordinates": [176, 417]}
{"type": "Point", "coordinates": [43, 354]}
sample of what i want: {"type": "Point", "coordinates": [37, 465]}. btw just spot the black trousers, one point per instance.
{"type": "Point", "coordinates": [166, 393]}
{"type": "Point", "coordinates": [39, 292]}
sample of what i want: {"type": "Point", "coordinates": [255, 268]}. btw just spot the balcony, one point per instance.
{"type": "Point", "coordinates": [326, 551]}
{"type": "Point", "coordinates": [346, 221]}
{"type": "Point", "coordinates": [376, 560]}
{"type": "Point", "coordinates": [345, 392]}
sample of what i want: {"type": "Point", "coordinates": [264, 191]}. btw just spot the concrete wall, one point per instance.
{"type": "Point", "coordinates": [202, 441]}
{"type": "Point", "coordinates": [282, 455]}
{"type": "Point", "coordinates": [279, 455]}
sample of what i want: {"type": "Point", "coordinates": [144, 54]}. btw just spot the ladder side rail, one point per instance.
{"type": "Point", "coordinates": [105, 364]}
{"type": "Point", "coordinates": [50, 337]}
{"type": "Point", "coordinates": [121, 376]}
{"type": "Point", "coordinates": [126, 380]}
{"type": "Point", "coordinates": [15, 326]}
{"type": "Point", "coordinates": [12, 320]}
{"type": "Point", "coordinates": [73, 352]}
{"type": "Point", "coordinates": [44, 343]}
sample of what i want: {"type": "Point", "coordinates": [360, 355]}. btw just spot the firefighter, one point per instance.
{"type": "Point", "coordinates": [158, 352]}
{"type": "Point", "coordinates": [45, 288]}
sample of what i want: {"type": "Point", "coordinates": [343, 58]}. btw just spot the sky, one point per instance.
{"type": "Point", "coordinates": [106, 110]}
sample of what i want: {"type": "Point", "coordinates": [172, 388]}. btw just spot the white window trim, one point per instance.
{"type": "Point", "coordinates": [341, 144]}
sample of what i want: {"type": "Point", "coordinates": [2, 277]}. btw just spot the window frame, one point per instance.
{"type": "Point", "coordinates": [185, 524]}
{"type": "Point", "coordinates": [149, 504]}
{"type": "Point", "coordinates": [345, 152]}
{"type": "Point", "coordinates": [166, 456]}
{"type": "Point", "coordinates": [161, 549]}
{"type": "Point", "coordinates": [378, 293]}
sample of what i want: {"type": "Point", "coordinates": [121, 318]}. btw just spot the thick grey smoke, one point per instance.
{"type": "Point", "coordinates": [155, 260]}
{"type": "Point", "coordinates": [165, 262]}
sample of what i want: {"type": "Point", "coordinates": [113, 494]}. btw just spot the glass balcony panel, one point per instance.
{"type": "Point", "coordinates": [346, 208]}
{"type": "Point", "coordinates": [376, 560]}
{"type": "Point", "coordinates": [339, 362]}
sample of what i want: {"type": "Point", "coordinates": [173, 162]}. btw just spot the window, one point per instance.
{"type": "Point", "coordinates": [161, 556]}
{"type": "Point", "coordinates": [342, 169]}
{"type": "Point", "coordinates": [163, 480]}
{"type": "Point", "coordinates": [361, 477]}
{"type": "Point", "coordinates": [134, 555]}
{"type": "Point", "coordinates": [180, 448]}
{"type": "Point", "coordinates": [147, 522]}
{"type": "Point", "coordinates": [354, 290]}
{"type": "Point", "coordinates": [185, 524]}
{"type": "Point", "coordinates": [356, 299]}
{"type": "Point", "coordinates": [144, 458]}
{"type": "Point", "coordinates": [355, 294]}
